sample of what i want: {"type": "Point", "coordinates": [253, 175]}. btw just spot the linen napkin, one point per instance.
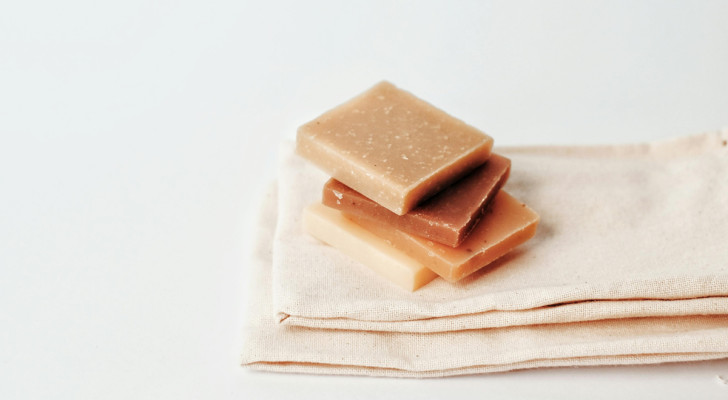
{"type": "Point", "coordinates": [626, 231]}
{"type": "Point", "coordinates": [272, 346]}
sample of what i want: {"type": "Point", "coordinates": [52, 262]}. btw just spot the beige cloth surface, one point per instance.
{"type": "Point", "coordinates": [626, 231]}
{"type": "Point", "coordinates": [272, 346]}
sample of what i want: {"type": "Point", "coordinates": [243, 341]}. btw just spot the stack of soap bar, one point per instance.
{"type": "Point", "coordinates": [414, 192]}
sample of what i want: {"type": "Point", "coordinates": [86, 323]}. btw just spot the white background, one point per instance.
{"type": "Point", "coordinates": [136, 138]}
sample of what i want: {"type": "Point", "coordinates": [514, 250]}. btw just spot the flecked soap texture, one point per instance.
{"type": "Point", "coordinates": [392, 147]}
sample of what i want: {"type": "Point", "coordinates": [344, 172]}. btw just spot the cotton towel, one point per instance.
{"type": "Point", "coordinates": [271, 346]}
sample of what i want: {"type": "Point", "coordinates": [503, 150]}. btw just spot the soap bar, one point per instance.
{"type": "Point", "coordinates": [392, 147]}
{"type": "Point", "coordinates": [507, 224]}
{"type": "Point", "coordinates": [331, 227]}
{"type": "Point", "coordinates": [447, 218]}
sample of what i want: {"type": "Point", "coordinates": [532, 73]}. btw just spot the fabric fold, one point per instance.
{"type": "Point", "coordinates": [272, 346]}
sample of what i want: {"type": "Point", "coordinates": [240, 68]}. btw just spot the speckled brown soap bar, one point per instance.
{"type": "Point", "coordinates": [392, 147]}
{"type": "Point", "coordinates": [447, 217]}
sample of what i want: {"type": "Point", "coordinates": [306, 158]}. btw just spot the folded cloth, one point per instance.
{"type": "Point", "coordinates": [272, 346]}
{"type": "Point", "coordinates": [626, 231]}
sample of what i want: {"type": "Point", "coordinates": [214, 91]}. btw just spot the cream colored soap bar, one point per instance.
{"type": "Point", "coordinates": [331, 227]}
{"type": "Point", "coordinates": [508, 224]}
{"type": "Point", "coordinates": [392, 147]}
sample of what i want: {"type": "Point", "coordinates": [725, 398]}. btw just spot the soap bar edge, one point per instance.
{"type": "Point", "coordinates": [316, 210]}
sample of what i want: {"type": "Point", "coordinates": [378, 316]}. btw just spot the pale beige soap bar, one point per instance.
{"type": "Point", "coordinates": [331, 227]}
{"type": "Point", "coordinates": [508, 224]}
{"type": "Point", "coordinates": [392, 147]}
